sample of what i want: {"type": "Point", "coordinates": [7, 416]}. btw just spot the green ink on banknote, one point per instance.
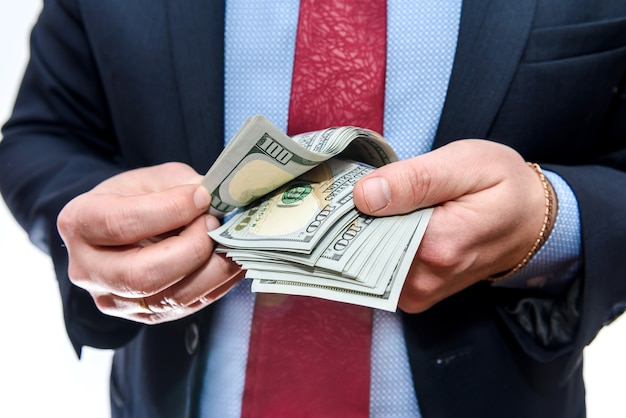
{"type": "Point", "coordinates": [296, 193]}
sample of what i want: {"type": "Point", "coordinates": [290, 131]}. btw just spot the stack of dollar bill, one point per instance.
{"type": "Point", "coordinates": [295, 229]}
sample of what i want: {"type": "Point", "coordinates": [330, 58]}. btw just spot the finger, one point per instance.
{"type": "Point", "coordinates": [150, 179]}
{"type": "Point", "coordinates": [221, 291]}
{"type": "Point", "coordinates": [444, 174]}
{"type": "Point", "coordinates": [151, 311]}
{"type": "Point", "coordinates": [205, 285]}
{"type": "Point", "coordinates": [194, 293]}
{"type": "Point", "coordinates": [106, 220]}
{"type": "Point", "coordinates": [137, 310]}
{"type": "Point", "coordinates": [134, 271]}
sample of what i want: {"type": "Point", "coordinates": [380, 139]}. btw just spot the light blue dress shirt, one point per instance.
{"type": "Point", "coordinates": [422, 37]}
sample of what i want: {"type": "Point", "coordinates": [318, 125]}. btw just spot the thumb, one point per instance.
{"type": "Point", "coordinates": [445, 174]}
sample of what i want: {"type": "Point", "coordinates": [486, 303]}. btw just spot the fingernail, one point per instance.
{"type": "Point", "coordinates": [201, 198]}
{"type": "Point", "coordinates": [377, 193]}
{"type": "Point", "coordinates": [211, 222]}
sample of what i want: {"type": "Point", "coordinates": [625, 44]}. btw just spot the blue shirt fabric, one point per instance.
{"type": "Point", "coordinates": [422, 36]}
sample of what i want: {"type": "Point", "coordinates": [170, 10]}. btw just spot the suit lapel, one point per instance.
{"type": "Point", "coordinates": [492, 36]}
{"type": "Point", "coordinates": [196, 30]}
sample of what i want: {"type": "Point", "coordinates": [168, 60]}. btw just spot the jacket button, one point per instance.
{"type": "Point", "coordinates": [192, 338]}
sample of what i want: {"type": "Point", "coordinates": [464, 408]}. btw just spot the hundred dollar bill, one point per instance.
{"type": "Point", "coordinates": [330, 258]}
{"type": "Point", "coordinates": [387, 300]}
{"type": "Point", "coordinates": [340, 228]}
{"type": "Point", "coordinates": [374, 263]}
{"type": "Point", "coordinates": [299, 214]}
{"type": "Point", "coordinates": [260, 158]}
{"type": "Point", "coordinates": [354, 238]}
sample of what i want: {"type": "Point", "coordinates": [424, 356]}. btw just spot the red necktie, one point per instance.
{"type": "Point", "coordinates": [310, 357]}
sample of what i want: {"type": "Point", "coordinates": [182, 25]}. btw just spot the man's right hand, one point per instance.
{"type": "Point", "coordinates": [138, 244]}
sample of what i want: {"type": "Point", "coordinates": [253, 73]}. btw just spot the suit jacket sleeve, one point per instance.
{"type": "Point", "coordinates": [566, 109]}
{"type": "Point", "coordinates": [58, 144]}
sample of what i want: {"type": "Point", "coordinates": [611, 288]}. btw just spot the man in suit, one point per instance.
{"type": "Point", "coordinates": [115, 89]}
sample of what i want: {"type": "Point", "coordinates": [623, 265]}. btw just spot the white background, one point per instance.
{"type": "Point", "coordinates": [39, 372]}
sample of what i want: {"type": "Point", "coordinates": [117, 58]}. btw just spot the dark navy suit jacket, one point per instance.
{"type": "Point", "coordinates": [118, 84]}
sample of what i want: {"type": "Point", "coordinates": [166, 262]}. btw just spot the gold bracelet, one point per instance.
{"type": "Point", "coordinates": [548, 223]}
